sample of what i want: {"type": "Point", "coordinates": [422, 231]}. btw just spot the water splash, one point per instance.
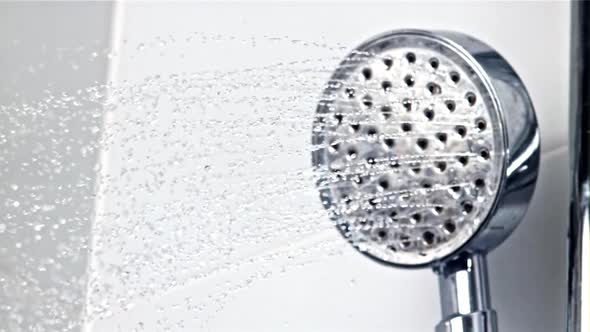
{"type": "Point", "coordinates": [191, 162]}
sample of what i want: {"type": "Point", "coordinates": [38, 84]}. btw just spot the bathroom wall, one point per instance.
{"type": "Point", "coordinates": [49, 52]}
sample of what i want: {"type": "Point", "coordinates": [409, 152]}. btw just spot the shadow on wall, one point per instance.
{"type": "Point", "coordinates": [49, 52]}
{"type": "Point", "coordinates": [527, 272]}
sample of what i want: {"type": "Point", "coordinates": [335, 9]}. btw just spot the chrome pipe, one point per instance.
{"type": "Point", "coordinates": [465, 295]}
{"type": "Point", "coordinates": [579, 233]}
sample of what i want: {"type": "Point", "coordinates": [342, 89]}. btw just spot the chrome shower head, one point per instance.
{"type": "Point", "coordinates": [426, 151]}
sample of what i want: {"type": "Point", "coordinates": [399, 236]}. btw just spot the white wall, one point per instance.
{"type": "Point", "coordinates": [47, 158]}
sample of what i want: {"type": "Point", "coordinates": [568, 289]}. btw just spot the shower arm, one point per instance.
{"type": "Point", "coordinates": [578, 267]}
{"type": "Point", "coordinates": [465, 295]}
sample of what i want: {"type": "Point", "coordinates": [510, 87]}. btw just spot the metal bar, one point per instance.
{"type": "Point", "coordinates": [465, 295]}
{"type": "Point", "coordinates": [578, 235]}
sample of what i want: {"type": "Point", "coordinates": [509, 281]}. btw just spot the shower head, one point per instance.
{"type": "Point", "coordinates": [426, 151]}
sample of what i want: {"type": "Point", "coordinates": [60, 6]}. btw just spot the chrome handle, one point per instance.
{"type": "Point", "coordinates": [465, 295]}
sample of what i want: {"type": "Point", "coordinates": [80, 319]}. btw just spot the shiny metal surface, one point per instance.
{"type": "Point", "coordinates": [469, 283]}
{"type": "Point", "coordinates": [465, 295]}
{"type": "Point", "coordinates": [579, 233]}
{"type": "Point", "coordinates": [462, 272]}
{"type": "Point", "coordinates": [523, 145]}
{"type": "Point", "coordinates": [480, 321]}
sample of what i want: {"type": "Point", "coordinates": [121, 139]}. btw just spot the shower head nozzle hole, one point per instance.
{"type": "Point", "coordinates": [441, 166]}
{"type": "Point", "coordinates": [442, 137]}
{"type": "Point", "coordinates": [450, 105]}
{"type": "Point", "coordinates": [455, 77]}
{"type": "Point", "coordinates": [393, 215]}
{"type": "Point", "coordinates": [339, 117]}
{"type": "Point", "coordinates": [350, 92]}
{"type": "Point", "coordinates": [406, 127]}
{"type": "Point", "coordinates": [428, 237]}
{"type": "Point", "coordinates": [461, 130]}
{"type": "Point", "coordinates": [481, 124]}
{"type": "Point", "coordinates": [411, 57]}
{"type": "Point", "coordinates": [433, 88]}
{"type": "Point", "coordinates": [480, 183]}
{"type": "Point", "coordinates": [355, 127]}
{"type": "Point", "coordinates": [389, 142]}
{"type": "Point", "coordinates": [388, 62]}
{"type": "Point", "coordinates": [334, 147]}
{"type": "Point", "coordinates": [372, 132]}
{"type": "Point", "coordinates": [386, 111]}
{"type": "Point", "coordinates": [405, 242]}
{"type": "Point", "coordinates": [368, 101]}
{"type": "Point", "coordinates": [422, 143]}
{"type": "Point", "coordinates": [409, 80]}
{"type": "Point", "coordinates": [352, 153]}
{"type": "Point", "coordinates": [384, 184]}
{"type": "Point", "coordinates": [434, 63]}
{"type": "Point", "coordinates": [367, 73]}
{"type": "Point", "coordinates": [463, 160]}
{"type": "Point", "coordinates": [471, 99]}
{"type": "Point", "coordinates": [429, 113]}
{"type": "Point", "coordinates": [449, 227]}
{"type": "Point", "coordinates": [416, 218]}
{"type": "Point", "coordinates": [386, 85]}
{"type": "Point", "coordinates": [358, 180]}
{"type": "Point", "coordinates": [484, 154]}
{"type": "Point", "coordinates": [346, 199]}
{"type": "Point", "coordinates": [407, 104]}
{"type": "Point", "coordinates": [467, 207]}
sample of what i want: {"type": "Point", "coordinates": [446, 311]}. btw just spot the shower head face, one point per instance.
{"type": "Point", "coordinates": [410, 148]}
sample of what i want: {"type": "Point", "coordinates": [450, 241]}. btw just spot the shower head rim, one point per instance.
{"type": "Point", "coordinates": [448, 39]}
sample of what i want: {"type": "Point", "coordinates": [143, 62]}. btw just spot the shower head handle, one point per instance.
{"type": "Point", "coordinates": [465, 296]}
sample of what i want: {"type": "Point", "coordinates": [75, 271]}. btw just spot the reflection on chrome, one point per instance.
{"type": "Point", "coordinates": [579, 234]}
